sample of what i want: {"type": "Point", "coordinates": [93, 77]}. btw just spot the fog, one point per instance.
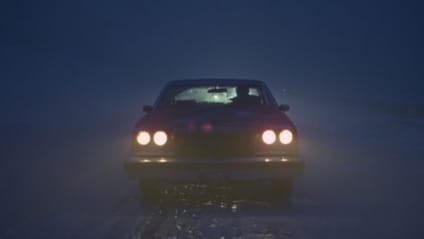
{"type": "Point", "coordinates": [74, 77]}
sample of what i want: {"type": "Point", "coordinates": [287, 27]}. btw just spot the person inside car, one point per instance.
{"type": "Point", "coordinates": [243, 97]}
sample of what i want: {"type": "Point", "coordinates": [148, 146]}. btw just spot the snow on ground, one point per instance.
{"type": "Point", "coordinates": [363, 180]}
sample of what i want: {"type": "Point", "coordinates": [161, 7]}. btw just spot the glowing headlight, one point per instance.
{"type": "Point", "coordinates": [143, 138]}
{"type": "Point", "coordinates": [160, 138]}
{"type": "Point", "coordinates": [285, 136]}
{"type": "Point", "coordinates": [269, 137]}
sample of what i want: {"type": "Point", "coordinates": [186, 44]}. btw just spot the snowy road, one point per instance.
{"type": "Point", "coordinates": [363, 180]}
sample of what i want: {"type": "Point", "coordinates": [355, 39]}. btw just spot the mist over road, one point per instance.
{"type": "Point", "coordinates": [362, 180]}
{"type": "Point", "coordinates": [75, 74]}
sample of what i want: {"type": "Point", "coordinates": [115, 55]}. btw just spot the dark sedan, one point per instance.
{"type": "Point", "coordinates": [208, 130]}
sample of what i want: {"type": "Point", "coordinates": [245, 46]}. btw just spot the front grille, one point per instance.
{"type": "Point", "coordinates": [214, 145]}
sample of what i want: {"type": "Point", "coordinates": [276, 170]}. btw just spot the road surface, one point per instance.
{"type": "Point", "coordinates": [363, 179]}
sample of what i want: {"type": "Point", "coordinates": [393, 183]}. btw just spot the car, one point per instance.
{"type": "Point", "coordinates": [215, 130]}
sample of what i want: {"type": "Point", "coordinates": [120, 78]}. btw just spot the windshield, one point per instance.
{"type": "Point", "coordinates": [210, 95]}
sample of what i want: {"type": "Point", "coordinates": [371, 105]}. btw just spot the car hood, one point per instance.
{"type": "Point", "coordinates": [217, 119]}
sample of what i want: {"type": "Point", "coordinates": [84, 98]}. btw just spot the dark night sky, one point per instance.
{"type": "Point", "coordinates": [91, 55]}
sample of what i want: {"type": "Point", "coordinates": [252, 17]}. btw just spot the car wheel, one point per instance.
{"type": "Point", "coordinates": [282, 190]}
{"type": "Point", "coordinates": [149, 191]}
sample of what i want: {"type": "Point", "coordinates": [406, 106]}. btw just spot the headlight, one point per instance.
{"type": "Point", "coordinates": [160, 138]}
{"type": "Point", "coordinates": [286, 136]}
{"type": "Point", "coordinates": [269, 137]}
{"type": "Point", "coordinates": [143, 138]}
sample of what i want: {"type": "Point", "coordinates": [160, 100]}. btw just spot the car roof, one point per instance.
{"type": "Point", "coordinates": [219, 81]}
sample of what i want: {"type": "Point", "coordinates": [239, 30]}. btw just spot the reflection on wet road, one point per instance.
{"type": "Point", "coordinates": [205, 211]}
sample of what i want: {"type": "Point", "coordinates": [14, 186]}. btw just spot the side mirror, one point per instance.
{"type": "Point", "coordinates": [284, 107]}
{"type": "Point", "coordinates": [147, 108]}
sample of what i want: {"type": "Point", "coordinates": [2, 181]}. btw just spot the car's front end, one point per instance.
{"type": "Point", "coordinates": [215, 154]}
{"type": "Point", "coordinates": [214, 131]}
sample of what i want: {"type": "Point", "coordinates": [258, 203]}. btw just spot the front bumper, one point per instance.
{"type": "Point", "coordinates": [221, 169]}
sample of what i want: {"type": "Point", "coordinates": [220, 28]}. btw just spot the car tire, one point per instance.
{"type": "Point", "coordinates": [282, 190]}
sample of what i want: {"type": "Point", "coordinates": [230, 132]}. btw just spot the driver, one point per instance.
{"type": "Point", "coordinates": [243, 97]}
